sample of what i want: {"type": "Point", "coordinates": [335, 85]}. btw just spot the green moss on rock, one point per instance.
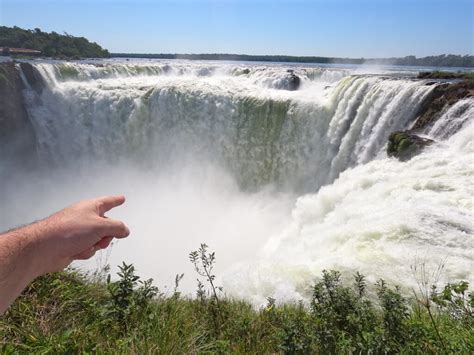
{"type": "Point", "coordinates": [438, 74]}
{"type": "Point", "coordinates": [405, 145]}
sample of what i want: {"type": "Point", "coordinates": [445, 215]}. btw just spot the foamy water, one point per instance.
{"type": "Point", "coordinates": [382, 218]}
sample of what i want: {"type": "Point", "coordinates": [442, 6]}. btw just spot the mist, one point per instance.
{"type": "Point", "coordinates": [169, 211]}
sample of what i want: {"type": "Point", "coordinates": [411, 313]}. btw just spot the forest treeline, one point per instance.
{"type": "Point", "coordinates": [443, 60]}
{"type": "Point", "coordinates": [51, 44]}
{"type": "Point", "coordinates": [67, 46]}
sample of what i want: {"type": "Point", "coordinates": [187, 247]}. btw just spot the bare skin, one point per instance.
{"type": "Point", "coordinates": [74, 233]}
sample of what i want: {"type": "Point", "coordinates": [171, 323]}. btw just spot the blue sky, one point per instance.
{"type": "Point", "coordinates": [341, 28]}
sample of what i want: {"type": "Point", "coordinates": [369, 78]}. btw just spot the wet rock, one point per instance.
{"type": "Point", "coordinates": [17, 136]}
{"type": "Point", "coordinates": [441, 98]}
{"type": "Point", "coordinates": [294, 80]}
{"type": "Point", "coordinates": [404, 145]}
{"type": "Point", "coordinates": [445, 75]}
{"type": "Point", "coordinates": [32, 76]}
{"type": "Point", "coordinates": [204, 72]}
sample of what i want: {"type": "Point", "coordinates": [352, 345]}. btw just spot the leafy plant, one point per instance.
{"type": "Point", "coordinates": [70, 312]}
{"type": "Point", "coordinates": [456, 301]}
{"type": "Point", "coordinates": [130, 296]}
{"type": "Point", "coordinates": [50, 44]}
{"type": "Point", "coordinates": [203, 261]}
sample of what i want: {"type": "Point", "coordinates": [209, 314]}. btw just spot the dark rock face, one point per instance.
{"type": "Point", "coordinates": [33, 78]}
{"type": "Point", "coordinates": [17, 136]}
{"type": "Point", "coordinates": [294, 81]}
{"type": "Point", "coordinates": [442, 96]}
{"type": "Point", "coordinates": [405, 145]}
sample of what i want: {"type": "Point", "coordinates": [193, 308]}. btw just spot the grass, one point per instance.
{"type": "Point", "coordinates": [70, 312]}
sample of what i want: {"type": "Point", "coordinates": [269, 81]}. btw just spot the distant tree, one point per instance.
{"type": "Point", "coordinates": [50, 44]}
{"type": "Point", "coordinates": [435, 61]}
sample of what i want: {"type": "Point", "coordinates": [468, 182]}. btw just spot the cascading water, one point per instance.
{"type": "Point", "coordinates": [238, 117]}
{"type": "Point", "coordinates": [218, 153]}
{"type": "Point", "coordinates": [383, 219]}
{"type": "Point", "coordinates": [453, 120]}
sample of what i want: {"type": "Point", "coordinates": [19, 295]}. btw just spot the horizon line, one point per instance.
{"type": "Point", "coordinates": [292, 55]}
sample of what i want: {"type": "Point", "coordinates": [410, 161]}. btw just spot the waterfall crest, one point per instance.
{"type": "Point", "coordinates": [240, 117]}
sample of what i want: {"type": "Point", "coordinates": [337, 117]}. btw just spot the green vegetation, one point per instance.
{"type": "Point", "coordinates": [438, 74]}
{"type": "Point", "coordinates": [51, 44]}
{"type": "Point", "coordinates": [405, 145]}
{"type": "Point", "coordinates": [70, 313]}
{"type": "Point", "coordinates": [443, 60]}
{"type": "Point", "coordinates": [66, 46]}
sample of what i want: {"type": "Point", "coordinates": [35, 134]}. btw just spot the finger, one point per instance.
{"type": "Point", "coordinates": [103, 243]}
{"type": "Point", "coordinates": [106, 203]}
{"type": "Point", "coordinates": [115, 228]}
{"type": "Point", "coordinates": [87, 254]}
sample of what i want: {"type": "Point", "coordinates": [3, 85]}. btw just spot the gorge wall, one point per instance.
{"type": "Point", "coordinates": [17, 135]}
{"type": "Point", "coordinates": [247, 118]}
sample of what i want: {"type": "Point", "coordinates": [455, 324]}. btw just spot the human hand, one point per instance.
{"type": "Point", "coordinates": [77, 232]}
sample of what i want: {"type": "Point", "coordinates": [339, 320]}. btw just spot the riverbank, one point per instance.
{"type": "Point", "coordinates": [69, 312]}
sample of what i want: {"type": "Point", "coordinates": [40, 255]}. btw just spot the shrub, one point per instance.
{"type": "Point", "coordinates": [70, 312]}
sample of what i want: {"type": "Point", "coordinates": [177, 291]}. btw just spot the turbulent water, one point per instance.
{"type": "Point", "coordinates": [219, 153]}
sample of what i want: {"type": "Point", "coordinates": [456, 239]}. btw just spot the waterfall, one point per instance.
{"type": "Point", "coordinates": [452, 120]}
{"type": "Point", "coordinates": [383, 219]}
{"type": "Point", "coordinates": [281, 180]}
{"type": "Point", "coordinates": [241, 117]}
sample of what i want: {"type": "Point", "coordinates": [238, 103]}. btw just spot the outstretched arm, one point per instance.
{"type": "Point", "coordinates": [51, 244]}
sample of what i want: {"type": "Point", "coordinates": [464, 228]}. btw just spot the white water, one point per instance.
{"type": "Point", "coordinates": [218, 153]}
{"type": "Point", "coordinates": [381, 218]}
{"type": "Point", "coordinates": [237, 117]}
{"type": "Point", "coordinates": [453, 120]}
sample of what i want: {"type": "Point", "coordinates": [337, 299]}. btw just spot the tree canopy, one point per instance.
{"type": "Point", "coordinates": [51, 44]}
{"type": "Point", "coordinates": [67, 46]}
